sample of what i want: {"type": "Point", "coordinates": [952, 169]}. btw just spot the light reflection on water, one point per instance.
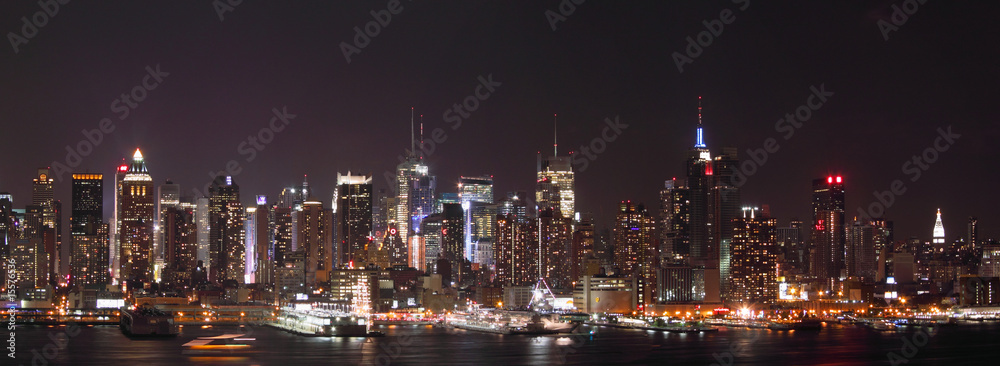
{"type": "Point", "coordinates": [416, 345]}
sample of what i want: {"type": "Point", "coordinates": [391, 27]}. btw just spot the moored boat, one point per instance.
{"type": "Point", "coordinates": [147, 321]}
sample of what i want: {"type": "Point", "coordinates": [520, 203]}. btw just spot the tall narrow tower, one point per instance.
{"type": "Point", "coordinates": [555, 187]}
{"type": "Point", "coordinates": [829, 227]}
{"type": "Point", "coordinates": [135, 215]}
{"type": "Point", "coordinates": [938, 230]}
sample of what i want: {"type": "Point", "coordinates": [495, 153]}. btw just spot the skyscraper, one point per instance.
{"type": "Point", "coordinates": [862, 240]}
{"type": "Point", "coordinates": [453, 233]}
{"type": "Point", "coordinates": [42, 195]}
{"type": "Point", "coordinates": [414, 190]}
{"type": "Point", "coordinates": [8, 232]}
{"type": "Point", "coordinates": [515, 250]}
{"type": "Point", "coordinates": [476, 195]}
{"type": "Point", "coordinates": [430, 232]}
{"type": "Point", "coordinates": [972, 232]}
{"type": "Point", "coordinates": [556, 183]}
{"type": "Point", "coordinates": [169, 195]}
{"type": "Point", "coordinates": [354, 218]}
{"type": "Point", "coordinates": [227, 255]}
{"type": "Point", "coordinates": [136, 215]}
{"type": "Point", "coordinates": [555, 244]}
{"type": "Point", "coordinates": [314, 228]}
{"type": "Point", "coordinates": [260, 238]}
{"type": "Point", "coordinates": [89, 237]}
{"type": "Point", "coordinates": [675, 219]}
{"type": "Point", "coordinates": [828, 227]}
{"type": "Point", "coordinates": [116, 223]}
{"type": "Point", "coordinates": [754, 259]}
{"type": "Point", "coordinates": [179, 225]}
{"type": "Point", "coordinates": [938, 240]}
{"type": "Point", "coordinates": [583, 246]}
{"type": "Point", "coordinates": [633, 239]}
{"type": "Point", "coordinates": [791, 248]}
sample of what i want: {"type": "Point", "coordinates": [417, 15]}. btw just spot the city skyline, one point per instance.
{"type": "Point", "coordinates": [494, 182]}
{"type": "Point", "coordinates": [847, 135]}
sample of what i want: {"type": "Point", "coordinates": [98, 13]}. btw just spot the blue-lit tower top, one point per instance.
{"type": "Point", "coordinates": [700, 141]}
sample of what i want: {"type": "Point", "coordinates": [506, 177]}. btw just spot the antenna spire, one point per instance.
{"type": "Point", "coordinates": [421, 136]}
{"type": "Point", "coordinates": [699, 141]}
{"type": "Point", "coordinates": [412, 141]}
{"type": "Point", "coordinates": [555, 134]}
{"type": "Point", "coordinates": [699, 111]}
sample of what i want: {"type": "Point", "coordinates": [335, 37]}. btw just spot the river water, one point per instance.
{"type": "Point", "coordinates": [977, 344]}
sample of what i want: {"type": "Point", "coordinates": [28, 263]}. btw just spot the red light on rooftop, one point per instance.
{"type": "Point", "coordinates": [829, 179]}
{"type": "Point", "coordinates": [123, 168]}
{"type": "Point", "coordinates": [839, 179]}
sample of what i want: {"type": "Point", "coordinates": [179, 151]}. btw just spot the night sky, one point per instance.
{"type": "Point", "coordinates": [607, 59]}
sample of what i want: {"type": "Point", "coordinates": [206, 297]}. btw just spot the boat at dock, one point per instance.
{"type": "Point", "coordinates": [510, 322]}
{"type": "Point", "coordinates": [321, 323]}
{"type": "Point", "coordinates": [147, 321]}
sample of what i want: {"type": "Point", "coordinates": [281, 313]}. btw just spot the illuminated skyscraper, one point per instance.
{"type": "Point", "coordinates": [180, 244]}
{"type": "Point", "coordinates": [675, 219]}
{"type": "Point", "coordinates": [8, 231]}
{"type": "Point", "coordinates": [555, 184]}
{"type": "Point", "coordinates": [791, 246]}
{"type": "Point", "coordinates": [555, 189]}
{"type": "Point", "coordinates": [414, 190]}
{"type": "Point", "coordinates": [31, 264]}
{"type": "Point", "coordinates": [203, 219]}
{"type": "Point", "coordinates": [314, 228]}
{"type": "Point", "coordinates": [116, 223]}
{"type": "Point", "coordinates": [633, 240]}
{"type": "Point", "coordinates": [555, 244]}
{"type": "Point", "coordinates": [699, 181]}
{"type": "Point", "coordinates": [861, 260]}
{"type": "Point", "coordinates": [227, 235]}
{"type": "Point", "coordinates": [583, 246]}
{"type": "Point", "coordinates": [938, 231]}
{"type": "Point", "coordinates": [260, 237]}
{"type": "Point", "coordinates": [828, 227]}
{"type": "Point", "coordinates": [973, 232]}
{"type": "Point", "coordinates": [453, 233]}
{"type": "Point", "coordinates": [169, 195]}
{"type": "Point", "coordinates": [354, 218]}
{"type": "Point", "coordinates": [89, 237]}
{"type": "Point", "coordinates": [515, 249]}
{"type": "Point", "coordinates": [476, 195]}
{"type": "Point", "coordinates": [754, 259]}
{"type": "Point", "coordinates": [430, 231]}
{"type": "Point", "coordinates": [136, 218]}
{"type": "Point", "coordinates": [42, 195]}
